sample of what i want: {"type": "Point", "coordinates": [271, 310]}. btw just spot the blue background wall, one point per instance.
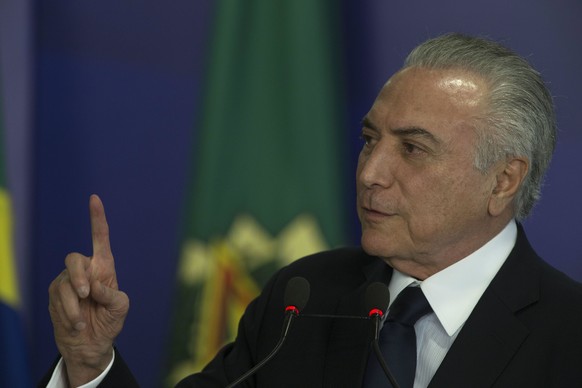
{"type": "Point", "coordinates": [112, 89]}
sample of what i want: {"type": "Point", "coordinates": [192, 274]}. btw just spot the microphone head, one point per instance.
{"type": "Point", "coordinates": [377, 299]}
{"type": "Point", "coordinates": [296, 293]}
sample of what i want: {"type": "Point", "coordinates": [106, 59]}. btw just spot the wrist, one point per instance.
{"type": "Point", "coordinates": [83, 367]}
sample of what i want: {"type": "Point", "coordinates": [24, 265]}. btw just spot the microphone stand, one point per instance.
{"type": "Point", "coordinates": [291, 313]}
{"type": "Point", "coordinates": [376, 347]}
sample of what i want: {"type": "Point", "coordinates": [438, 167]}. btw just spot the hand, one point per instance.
{"type": "Point", "coordinates": [86, 307]}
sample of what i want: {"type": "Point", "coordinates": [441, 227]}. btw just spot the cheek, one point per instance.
{"type": "Point", "coordinates": [438, 201]}
{"type": "Point", "coordinates": [358, 170]}
{"type": "Point", "coordinates": [455, 200]}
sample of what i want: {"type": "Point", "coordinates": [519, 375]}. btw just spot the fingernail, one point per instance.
{"type": "Point", "coordinates": [83, 291]}
{"type": "Point", "coordinates": [79, 326]}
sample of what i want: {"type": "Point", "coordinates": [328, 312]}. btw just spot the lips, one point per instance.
{"type": "Point", "coordinates": [378, 212]}
{"type": "Point", "coordinates": [371, 207]}
{"type": "Point", "coordinates": [372, 211]}
{"type": "Point", "coordinates": [375, 212]}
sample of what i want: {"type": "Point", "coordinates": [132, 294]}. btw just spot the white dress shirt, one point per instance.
{"type": "Point", "coordinates": [452, 294]}
{"type": "Point", "coordinates": [59, 378]}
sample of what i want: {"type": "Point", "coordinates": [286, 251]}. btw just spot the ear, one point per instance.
{"type": "Point", "coordinates": [509, 177]}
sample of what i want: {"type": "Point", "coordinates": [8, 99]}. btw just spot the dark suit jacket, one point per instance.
{"type": "Point", "coordinates": [525, 331]}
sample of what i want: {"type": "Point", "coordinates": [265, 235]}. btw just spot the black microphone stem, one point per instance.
{"type": "Point", "coordinates": [376, 346]}
{"type": "Point", "coordinates": [286, 324]}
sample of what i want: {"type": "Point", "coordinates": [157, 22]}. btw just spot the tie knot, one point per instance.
{"type": "Point", "coordinates": [409, 306]}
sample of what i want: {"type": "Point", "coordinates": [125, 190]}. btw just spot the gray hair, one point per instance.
{"type": "Point", "coordinates": [520, 118]}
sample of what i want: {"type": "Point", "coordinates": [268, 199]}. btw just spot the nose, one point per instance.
{"type": "Point", "coordinates": [375, 166]}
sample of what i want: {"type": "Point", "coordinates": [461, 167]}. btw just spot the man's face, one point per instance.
{"type": "Point", "coordinates": [421, 202]}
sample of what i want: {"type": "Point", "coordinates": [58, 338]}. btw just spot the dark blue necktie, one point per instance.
{"type": "Point", "coordinates": [398, 341]}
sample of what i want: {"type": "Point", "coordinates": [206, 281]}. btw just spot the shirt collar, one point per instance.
{"type": "Point", "coordinates": [454, 291]}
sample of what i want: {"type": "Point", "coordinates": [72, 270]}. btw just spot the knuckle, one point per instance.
{"type": "Point", "coordinates": [124, 299]}
{"type": "Point", "coordinates": [63, 288]}
{"type": "Point", "coordinates": [54, 305]}
{"type": "Point", "coordinates": [70, 256]}
{"type": "Point", "coordinates": [53, 287]}
{"type": "Point", "coordinates": [76, 260]}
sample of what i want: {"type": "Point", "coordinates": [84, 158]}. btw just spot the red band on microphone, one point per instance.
{"type": "Point", "coordinates": [377, 312]}
{"type": "Point", "coordinates": [292, 308]}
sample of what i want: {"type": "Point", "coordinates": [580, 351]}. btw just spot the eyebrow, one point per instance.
{"type": "Point", "coordinates": [406, 131]}
{"type": "Point", "coordinates": [366, 122]}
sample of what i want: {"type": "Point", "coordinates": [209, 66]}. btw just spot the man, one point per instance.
{"type": "Point", "coordinates": [456, 146]}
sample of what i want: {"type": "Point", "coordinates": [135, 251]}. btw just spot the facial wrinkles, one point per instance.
{"type": "Point", "coordinates": [374, 201]}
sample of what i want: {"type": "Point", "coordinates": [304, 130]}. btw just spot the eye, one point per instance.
{"type": "Point", "coordinates": [366, 138]}
{"type": "Point", "coordinates": [369, 138]}
{"type": "Point", "coordinates": [411, 148]}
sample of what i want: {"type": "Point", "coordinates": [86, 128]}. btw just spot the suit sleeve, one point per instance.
{"type": "Point", "coordinates": [119, 375]}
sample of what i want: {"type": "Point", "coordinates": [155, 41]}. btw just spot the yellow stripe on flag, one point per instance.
{"type": "Point", "coordinates": [8, 281]}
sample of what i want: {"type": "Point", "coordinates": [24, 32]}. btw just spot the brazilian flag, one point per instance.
{"type": "Point", "coordinates": [13, 360]}
{"type": "Point", "coordinates": [267, 179]}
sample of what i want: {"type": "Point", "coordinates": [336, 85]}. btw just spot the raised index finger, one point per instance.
{"type": "Point", "coordinates": [99, 229]}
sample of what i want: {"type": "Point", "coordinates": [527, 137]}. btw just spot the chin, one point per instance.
{"type": "Point", "coordinates": [376, 245]}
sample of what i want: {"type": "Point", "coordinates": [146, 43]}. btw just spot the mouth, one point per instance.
{"type": "Point", "coordinates": [371, 213]}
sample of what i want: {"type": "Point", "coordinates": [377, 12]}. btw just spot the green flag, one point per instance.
{"type": "Point", "coordinates": [267, 181]}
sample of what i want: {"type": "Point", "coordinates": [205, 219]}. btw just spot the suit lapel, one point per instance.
{"type": "Point", "coordinates": [349, 339]}
{"type": "Point", "coordinates": [493, 333]}
{"type": "Point", "coordinates": [483, 348]}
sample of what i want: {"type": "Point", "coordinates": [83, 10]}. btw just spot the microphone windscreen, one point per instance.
{"type": "Point", "coordinates": [296, 292]}
{"type": "Point", "coordinates": [377, 297]}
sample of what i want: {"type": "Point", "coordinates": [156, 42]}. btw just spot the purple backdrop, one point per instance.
{"type": "Point", "coordinates": [117, 86]}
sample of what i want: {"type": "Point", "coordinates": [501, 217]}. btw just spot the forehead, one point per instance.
{"type": "Point", "coordinates": [429, 99]}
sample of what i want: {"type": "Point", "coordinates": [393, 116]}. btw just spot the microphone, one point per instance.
{"type": "Point", "coordinates": [378, 295]}
{"type": "Point", "coordinates": [295, 299]}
